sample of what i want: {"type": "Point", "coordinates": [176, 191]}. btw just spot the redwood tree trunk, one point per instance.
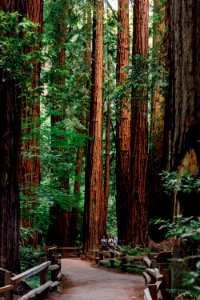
{"type": "Point", "coordinates": [185, 120]}
{"type": "Point", "coordinates": [93, 227]}
{"type": "Point", "coordinates": [157, 202]}
{"type": "Point", "coordinates": [107, 166]}
{"type": "Point", "coordinates": [30, 170]}
{"type": "Point", "coordinates": [10, 137]}
{"type": "Point", "coordinates": [138, 225]}
{"type": "Point", "coordinates": [123, 123]}
{"type": "Point", "coordinates": [186, 95]}
{"type": "Point", "coordinates": [9, 190]}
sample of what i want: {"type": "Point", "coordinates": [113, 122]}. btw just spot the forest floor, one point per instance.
{"type": "Point", "coordinates": [84, 280]}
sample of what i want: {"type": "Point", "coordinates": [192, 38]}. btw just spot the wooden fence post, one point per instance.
{"type": "Point", "coordinates": [112, 262]}
{"type": "Point", "coordinates": [8, 295]}
{"type": "Point", "coordinates": [153, 291]}
{"type": "Point", "coordinates": [166, 283]}
{"type": "Point", "coordinates": [43, 273]}
{"type": "Point", "coordinates": [59, 262]}
{"type": "Point", "coordinates": [123, 262]}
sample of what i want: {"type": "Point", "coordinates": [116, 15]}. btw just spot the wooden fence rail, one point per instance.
{"type": "Point", "coordinates": [157, 276]}
{"type": "Point", "coordinates": [10, 281]}
{"type": "Point", "coordinates": [65, 251]}
{"type": "Point", "coordinates": [111, 256]}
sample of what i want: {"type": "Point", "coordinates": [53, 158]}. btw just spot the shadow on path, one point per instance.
{"type": "Point", "coordinates": [82, 280]}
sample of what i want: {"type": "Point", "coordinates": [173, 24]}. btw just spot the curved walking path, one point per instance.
{"type": "Point", "coordinates": [84, 281]}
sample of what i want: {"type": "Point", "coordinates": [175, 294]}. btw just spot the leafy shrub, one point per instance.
{"type": "Point", "coordinates": [29, 257]}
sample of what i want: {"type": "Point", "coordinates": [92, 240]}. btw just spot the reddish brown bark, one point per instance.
{"type": "Point", "coordinates": [30, 169]}
{"type": "Point", "coordinates": [123, 122]}
{"type": "Point", "coordinates": [80, 152]}
{"type": "Point", "coordinates": [138, 234]}
{"type": "Point", "coordinates": [93, 228]}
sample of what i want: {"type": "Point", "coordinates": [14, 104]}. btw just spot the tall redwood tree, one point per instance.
{"type": "Point", "coordinates": [10, 134]}
{"type": "Point", "coordinates": [123, 122]}
{"type": "Point", "coordinates": [93, 221]}
{"type": "Point", "coordinates": [158, 204]}
{"type": "Point", "coordinates": [138, 226]}
{"type": "Point", "coordinates": [30, 162]}
{"type": "Point", "coordinates": [185, 94]}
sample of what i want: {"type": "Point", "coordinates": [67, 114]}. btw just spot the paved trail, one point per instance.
{"type": "Point", "coordinates": [82, 281]}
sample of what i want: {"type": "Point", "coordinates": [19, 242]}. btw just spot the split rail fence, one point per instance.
{"type": "Point", "coordinates": [11, 281]}
{"type": "Point", "coordinates": [156, 270]}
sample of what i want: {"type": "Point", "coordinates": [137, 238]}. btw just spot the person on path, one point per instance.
{"type": "Point", "coordinates": [111, 242]}
{"type": "Point", "coordinates": [104, 243]}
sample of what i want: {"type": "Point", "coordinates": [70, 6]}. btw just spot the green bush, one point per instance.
{"type": "Point", "coordinates": [29, 257]}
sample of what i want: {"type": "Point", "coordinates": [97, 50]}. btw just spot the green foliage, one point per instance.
{"type": "Point", "coordinates": [29, 257]}
{"type": "Point", "coordinates": [188, 231]}
{"type": "Point", "coordinates": [146, 74]}
{"type": "Point", "coordinates": [60, 95]}
{"type": "Point", "coordinates": [157, 17]}
{"type": "Point", "coordinates": [111, 218]}
{"type": "Point", "coordinates": [137, 251]}
{"type": "Point", "coordinates": [26, 234]}
{"type": "Point", "coordinates": [135, 270]}
{"type": "Point", "coordinates": [192, 281]}
{"type": "Point", "coordinates": [34, 281]}
{"type": "Point", "coordinates": [171, 181]}
{"type": "Point", "coordinates": [182, 227]}
{"type": "Point", "coordinates": [16, 34]}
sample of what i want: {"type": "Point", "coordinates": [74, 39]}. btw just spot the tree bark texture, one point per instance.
{"type": "Point", "coordinates": [138, 234]}
{"type": "Point", "coordinates": [185, 25]}
{"type": "Point", "coordinates": [12, 6]}
{"type": "Point", "coordinates": [185, 97]}
{"type": "Point", "coordinates": [184, 118]}
{"type": "Point", "coordinates": [30, 169]}
{"type": "Point", "coordinates": [107, 143]}
{"type": "Point", "coordinates": [93, 221]}
{"type": "Point", "coordinates": [157, 204]}
{"type": "Point", "coordinates": [9, 168]}
{"type": "Point", "coordinates": [10, 138]}
{"type": "Point", "coordinates": [123, 122]}
{"type": "Point", "coordinates": [107, 165]}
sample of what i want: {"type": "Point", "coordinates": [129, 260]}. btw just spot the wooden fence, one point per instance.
{"type": "Point", "coordinates": [157, 276]}
{"type": "Point", "coordinates": [156, 271]}
{"type": "Point", "coordinates": [65, 251]}
{"type": "Point", "coordinates": [112, 256]}
{"type": "Point", "coordinates": [10, 281]}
